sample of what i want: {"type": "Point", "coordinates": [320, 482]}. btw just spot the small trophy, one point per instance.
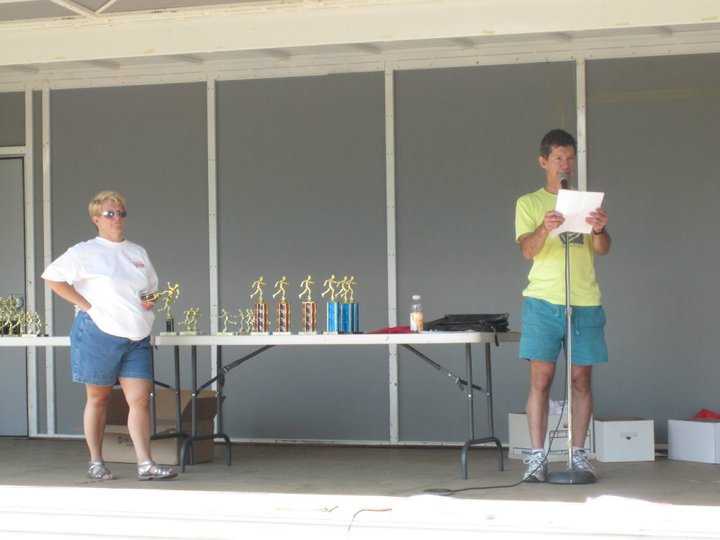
{"type": "Point", "coordinates": [226, 320]}
{"type": "Point", "coordinates": [192, 315]}
{"type": "Point", "coordinates": [248, 318]}
{"type": "Point", "coordinates": [260, 320]}
{"type": "Point", "coordinates": [354, 307]}
{"type": "Point", "coordinates": [169, 296]}
{"type": "Point", "coordinates": [331, 306]}
{"type": "Point", "coordinates": [344, 323]}
{"type": "Point", "coordinates": [309, 308]}
{"type": "Point", "coordinates": [31, 326]}
{"type": "Point", "coordinates": [12, 317]}
{"type": "Point", "coordinates": [282, 308]}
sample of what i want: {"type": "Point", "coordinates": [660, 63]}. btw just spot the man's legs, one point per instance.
{"type": "Point", "coordinates": [581, 403]}
{"type": "Point", "coordinates": [541, 378]}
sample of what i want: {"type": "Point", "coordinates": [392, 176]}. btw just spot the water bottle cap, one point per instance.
{"type": "Point", "coordinates": [416, 297]}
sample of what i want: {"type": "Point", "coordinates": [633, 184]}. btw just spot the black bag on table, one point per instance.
{"type": "Point", "coordinates": [479, 322]}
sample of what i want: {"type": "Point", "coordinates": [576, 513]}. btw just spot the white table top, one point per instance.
{"type": "Point", "coordinates": [424, 338]}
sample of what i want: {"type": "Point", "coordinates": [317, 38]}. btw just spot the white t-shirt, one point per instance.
{"type": "Point", "coordinates": [111, 276]}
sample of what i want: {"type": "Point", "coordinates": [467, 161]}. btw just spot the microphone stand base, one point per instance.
{"type": "Point", "coordinates": [571, 477]}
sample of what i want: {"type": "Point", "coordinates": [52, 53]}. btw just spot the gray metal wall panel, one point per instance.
{"type": "Point", "coordinates": [654, 150]}
{"type": "Point", "coordinates": [467, 145]}
{"type": "Point", "coordinates": [13, 396]}
{"type": "Point", "coordinates": [302, 190]}
{"type": "Point", "coordinates": [12, 119]}
{"type": "Point", "coordinates": [149, 142]}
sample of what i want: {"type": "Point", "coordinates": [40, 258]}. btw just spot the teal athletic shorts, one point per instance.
{"type": "Point", "coordinates": [543, 332]}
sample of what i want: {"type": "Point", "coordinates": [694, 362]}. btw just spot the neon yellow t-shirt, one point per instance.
{"type": "Point", "coordinates": [547, 275]}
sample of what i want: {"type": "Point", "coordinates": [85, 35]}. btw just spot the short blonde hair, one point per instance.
{"type": "Point", "coordinates": [97, 201]}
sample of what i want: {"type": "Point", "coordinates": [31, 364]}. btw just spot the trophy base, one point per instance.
{"type": "Point", "coordinates": [168, 333]}
{"type": "Point", "coordinates": [307, 333]}
{"type": "Point", "coordinates": [225, 334]}
{"type": "Point", "coordinates": [259, 333]}
{"type": "Point", "coordinates": [330, 333]}
{"type": "Point", "coordinates": [188, 333]}
{"type": "Point", "coordinates": [282, 333]}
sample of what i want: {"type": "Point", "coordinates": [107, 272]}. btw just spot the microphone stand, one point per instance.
{"type": "Point", "coordinates": [570, 476]}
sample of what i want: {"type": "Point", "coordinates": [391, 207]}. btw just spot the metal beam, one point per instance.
{"type": "Point", "coordinates": [12, 151]}
{"type": "Point", "coordinates": [390, 208]}
{"type": "Point", "coordinates": [277, 54]}
{"type": "Point", "coordinates": [188, 59]}
{"type": "Point", "coordinates": [291, 24]}
{"type": "Point", "coordinates": [105, 6]}
{"type": "Point", "coordinates": [104, 64]}
{"type": "Point", "coordinates": [75, 7]}
{"type": "Point", "coordinates": [23, 69]}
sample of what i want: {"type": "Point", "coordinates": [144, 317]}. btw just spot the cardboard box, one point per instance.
{"type": "Point", "coordinates": [694, 440]}
{"type": "Point", "coordinates": [624, 439]}
{"type": "Point", "coordinates": [118, 447]}
{"type": "Point", "coordinates": [519, 436]}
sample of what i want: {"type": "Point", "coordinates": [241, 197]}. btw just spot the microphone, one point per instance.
{"type": "Point", "coordinates": [564, 180]}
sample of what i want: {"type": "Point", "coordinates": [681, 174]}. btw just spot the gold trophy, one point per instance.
{"type": "Point", "coordinates": [261, 318]}
{"type": "Point", "coordinates": [282, 307]}
{"type": "Point", "coordinates": [309, 307]}
{"type": "Point", "coordinates": [192, 315]}
{"type": "Point", "coordinates": [226, 320]}
{"type": "Point", "coordinates": [31, 326]}
{"type": "Point", "coordinates": [168, 297]}
{"type": "Point", "coordinates": [248, 318]}
{"type": "Point", "coordinates": [332, 308]}
{"type": "Point", "coordinates": [12, 318]}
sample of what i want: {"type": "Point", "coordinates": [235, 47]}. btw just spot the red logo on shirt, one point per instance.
{"type": "Point", "coordinates": [139, 264]}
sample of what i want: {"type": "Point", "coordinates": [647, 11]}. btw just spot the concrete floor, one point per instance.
{"type": "Point", "coordinates": [322, 490]}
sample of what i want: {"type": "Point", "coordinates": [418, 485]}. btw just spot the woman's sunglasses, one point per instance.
{"type": "Point", "coordinates": [112, 213]}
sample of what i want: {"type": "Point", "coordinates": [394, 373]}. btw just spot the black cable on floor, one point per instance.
{"type": "Point", "coordinates": [444, 492]}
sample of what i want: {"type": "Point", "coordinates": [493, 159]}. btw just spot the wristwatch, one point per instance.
{"type": "Point", "coordinates": [602, 231]}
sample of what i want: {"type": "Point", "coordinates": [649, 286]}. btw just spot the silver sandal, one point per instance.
{"type": "Point", "coordinates": [149, 470]}
{"type": "Point", "coordinates": [97, 470]}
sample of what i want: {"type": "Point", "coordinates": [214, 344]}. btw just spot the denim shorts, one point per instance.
{"type": "Point", "coordinates": [543, 332]}
{"type": "Point", "coordinates": [101, 359]}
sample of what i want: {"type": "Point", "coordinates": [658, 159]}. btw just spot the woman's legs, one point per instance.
{"type": "Point", "coordinates": [94, 418]}
{"type": "Point", "coordinates": [137, 394]}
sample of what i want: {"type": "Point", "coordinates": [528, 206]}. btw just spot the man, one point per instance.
{"type": "Point", "coordinates": [543, 310]}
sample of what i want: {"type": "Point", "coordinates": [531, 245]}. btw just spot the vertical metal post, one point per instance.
{"type": "Point", "coordinates": [488, 390]}
{"type": "Point", "coordinates": [153, 393]}
{"type": "Point", "coordinates": [47, 259]}
{"type": "Point", "coordinates": [568, 347]}
{"type": "Point", "coordinates": [212, 216]}
{"type": "Point", "coordinates": [220, 385]}
{"type": "Point", "coordinates": [581, 113]}
{"type": "Point", "coordinates": [178, 405]}
{"type": "Point", "coordinates": [393, 375]}
{"type": "Point", "coordinates": [471, 405]}
{"type": "Point", "coordinates": [29, 203]}
{"type": "Point", "coordinates": [193, 398]}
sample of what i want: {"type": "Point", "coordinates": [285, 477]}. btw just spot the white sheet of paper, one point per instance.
{"type": "Point", "coordinates": [576, 207]}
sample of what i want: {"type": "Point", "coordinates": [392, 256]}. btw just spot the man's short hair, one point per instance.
{"type": "Point", "coordinates": [556, 137]}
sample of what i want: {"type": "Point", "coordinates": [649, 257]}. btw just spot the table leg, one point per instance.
{"type": "Point", "coordinates": [471, 413]}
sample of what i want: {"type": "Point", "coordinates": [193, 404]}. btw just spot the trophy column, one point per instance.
{"type": "Point", "coordinates": [282, 307]}
{"type": "Point", "coordinates": [260, 316]}
{"type": "Point", "coordinates": [282, 317]}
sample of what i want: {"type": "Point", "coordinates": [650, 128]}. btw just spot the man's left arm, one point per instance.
{"type": "Point", "coordinates": [600, 238]}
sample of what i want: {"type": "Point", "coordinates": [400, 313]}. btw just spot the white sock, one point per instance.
{"type": "Point", "coordinates": [536, 450]}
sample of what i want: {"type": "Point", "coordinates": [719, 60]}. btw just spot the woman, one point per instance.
{"type": "Point", "coordinates": [110, 337]}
